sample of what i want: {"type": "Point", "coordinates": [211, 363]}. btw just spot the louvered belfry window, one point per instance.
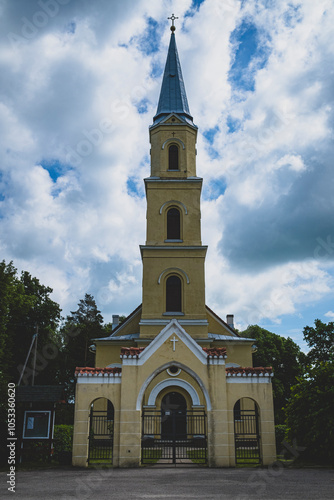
{"type": "Point", "coordinates": [173, 294]}
{"type": "Point", "coordinates": [173, 157]}
{"type": "Point", "coordinates": [173, 224]}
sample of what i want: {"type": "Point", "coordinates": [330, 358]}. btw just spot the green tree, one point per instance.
{"type": "Point", "coordinates": [310, 410]}
{"type": "Point", "coordinates": [25, 304]}
{"type": "Point", "coordinates": [310, 413]}
{"type": "Point", "coordinates": [320, 339]}
{"type": "Point", "coordinates": [78, 332]}
{"type": "Point", "coordinates": [286, 359]}
{"type": "Point", "coordinates": [8, 291]}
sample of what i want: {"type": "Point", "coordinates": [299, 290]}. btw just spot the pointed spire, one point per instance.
{"type": "Point", "coordinates": [173, 98]}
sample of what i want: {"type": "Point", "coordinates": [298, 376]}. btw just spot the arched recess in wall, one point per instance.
{"type": "Point", "coordinates": [173, 224]}
{"type": "Point", "coordinates": [173, 157]}
{"type": "Point", "coordinates": [101, 431]}
{"type": "Point", "coordinates": [178, 141]}
{"type": "Point", "coordinates": [247, 434]}
{"type": "Point", "coordinates": [174, 294]}
{"type": "Point", "coordinates": [175, 270]}
{"type": "Point", "coordinates": [174, 383]}
{"type": "Point", "coordinates": [184, 368]}
{"type": "Point", "coordinates": [174, 202]}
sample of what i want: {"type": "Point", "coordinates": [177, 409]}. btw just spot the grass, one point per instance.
{"type": "Point", "coordinates": [197, 456]}
{"type": "Point", "coordinates": [151, 456]}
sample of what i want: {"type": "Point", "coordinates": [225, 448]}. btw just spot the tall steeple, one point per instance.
{"type": "Point", "coordinates": [173, 97]}
{"type": "Point", "coordinates": [173, 255]}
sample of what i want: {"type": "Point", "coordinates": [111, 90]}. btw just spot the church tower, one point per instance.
{"type": "Point", "coordinates": [173, 256]}
{"type": "Point", "coordinates": [173, 383]}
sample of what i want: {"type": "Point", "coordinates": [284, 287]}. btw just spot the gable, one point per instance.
{"type": "Point", "coordinates": [173, 338]}
{"type": "Point", "coordinates": [218, 326]}
{"type": "Point", "coordinates": [130, 325]}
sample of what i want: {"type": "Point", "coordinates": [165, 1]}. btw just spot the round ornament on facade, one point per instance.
{"type": "Point", "coordinates": [173, 371]}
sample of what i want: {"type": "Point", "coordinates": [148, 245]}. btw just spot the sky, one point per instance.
{"type": "Point", "coordinates": [80, 83]}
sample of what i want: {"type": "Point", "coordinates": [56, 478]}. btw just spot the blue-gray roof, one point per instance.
{"type": "Point", "coordinates": [173, 98]}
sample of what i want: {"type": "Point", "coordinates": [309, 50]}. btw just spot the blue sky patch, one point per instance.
{"type": "Point", "coordinates": [292, 16]}
{"type": "Point", "coordinates": [70, 28]}
{"type": "Point", "coordinates": [54, 167]}
{"type": "Point", "coordinates": [197, 3]}
{"type": "Point", "coordinates": [214, 188]}
{"type": "Point", "coordinates": [210, 133]}
{"type": "Point", "coordinates": [142, 106]}
{"type": "Point", "coordinates": [249, 49]}
{"type": "Point", "coordinates": [156, 69]}
{"type": "Point", "coordinates": [134, 187]}
{"type": "Point", "coordinates": [233, 124]}
{"type": "Point", "coordinates": [149, 41]}
{"type": "Point", "coordinates": [195, 6]}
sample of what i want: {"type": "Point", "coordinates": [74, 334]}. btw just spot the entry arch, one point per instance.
{"type": "Point", "coordinates": [101, 431]}
{"type": "Point", "coordinates": [174, 383]}
{"type": "Point", "coordinates": [246, 416]}
{"type": "Point", "coordinates": [182, 367]}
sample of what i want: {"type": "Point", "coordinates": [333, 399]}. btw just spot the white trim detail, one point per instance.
{"type": "Point", "coordinates": [173, 327]}
{"type": "Point", "coordinates": [174, 374]}
{"type": "Point", "coordinates": [164, 322]}
{"type": "Point", "coordinates": [173, 269]}
{"type": "Point", "coordinates": [174, 382]}
{"type": "Point", "coordinates": [185, 369]}
{"type": "Point", "coordinates": [174, 202]}
{"type": "Point", "coordinates": [173, 140]}
{"type": "Point", "coordinates": [99, 380]}
{"type": "Point", "coordinates": [248, 380]}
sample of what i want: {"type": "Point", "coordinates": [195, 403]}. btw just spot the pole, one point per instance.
{"type": "Point", "coordinates": [35, 357]}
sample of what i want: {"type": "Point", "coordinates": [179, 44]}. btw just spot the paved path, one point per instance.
{"type": "Point", "coordinates": [165, 483]}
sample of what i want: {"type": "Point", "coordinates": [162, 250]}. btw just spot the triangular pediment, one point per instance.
{"type": "Point", "coordinates": [173, 119]}
{"type": "Point", "coordinates": [171, 331]}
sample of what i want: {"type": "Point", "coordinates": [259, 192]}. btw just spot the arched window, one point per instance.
{"type": "Point", "coordinates": [173, 157]}
{"type": "Point", "coordinates": [173, 224]}
{"type": "Point", "coordinates": [173, 294]}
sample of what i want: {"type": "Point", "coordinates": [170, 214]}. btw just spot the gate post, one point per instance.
{"type": "Point", "coordinates": [218, 437]}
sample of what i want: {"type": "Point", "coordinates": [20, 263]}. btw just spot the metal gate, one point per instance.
{"type": "Point", "coordinates": [174, 436]}
{"type": "Point", "coordinates": [247, 437]}
{"type": "Point", "coordinates": [101, 433]}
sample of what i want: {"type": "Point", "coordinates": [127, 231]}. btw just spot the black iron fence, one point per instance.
{"type": "Point", "coordinates": [174, 436]}
{"type": "Point", "coordinates": [101, 434]}
{"type": "Point", "coordinates": [247, 437]}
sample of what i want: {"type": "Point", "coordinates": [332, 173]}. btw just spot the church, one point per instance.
{"type": "Point", "coordinates": [174, 383]}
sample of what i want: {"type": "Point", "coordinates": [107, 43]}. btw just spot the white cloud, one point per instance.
{"type": "Point", "coordinates": [71, 93]}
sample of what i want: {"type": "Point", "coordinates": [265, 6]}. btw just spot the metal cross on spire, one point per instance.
{"type": "Point", "coordinates": [172, 18]}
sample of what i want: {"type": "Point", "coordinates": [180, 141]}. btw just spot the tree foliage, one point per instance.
{"type": "Point", "coordinates": [25, 304]}
{"type": "Point", "coordinates": [310, 410]}
{"type": "Point", "coordinates": [78, 332]}
{"type": "Point", "coordinates": [320, 339]}
{"type": "Point", "coordinates": [286, 359]}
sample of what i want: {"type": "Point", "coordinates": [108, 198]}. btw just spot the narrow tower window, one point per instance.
{"type": "Point", "coordinates": [173, 157]}
{"type": "Point", "coordinates": [173, 224]}
{"type": "Point", "coordinates": [173, 294]}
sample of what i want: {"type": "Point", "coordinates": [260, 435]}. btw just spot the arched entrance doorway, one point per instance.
{"type": "Point", "coordinates": [247, 432]}
{"type": "Point", "coordinates": [101, 432]}
{"type": "Point", "coordinates": [173, 416]}
{"type": "Point", "coordinates": [175, 432]}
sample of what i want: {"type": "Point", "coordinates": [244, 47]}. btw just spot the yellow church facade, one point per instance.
{"type": "Point", "coordinates": [173, 383]}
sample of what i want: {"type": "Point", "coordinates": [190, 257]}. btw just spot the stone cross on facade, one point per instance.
{"type": "Point", "coordinates": [174, 339]}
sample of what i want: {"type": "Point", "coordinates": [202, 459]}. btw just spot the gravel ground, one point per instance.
{"type": "Point", "coordinates": [172, 483]}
